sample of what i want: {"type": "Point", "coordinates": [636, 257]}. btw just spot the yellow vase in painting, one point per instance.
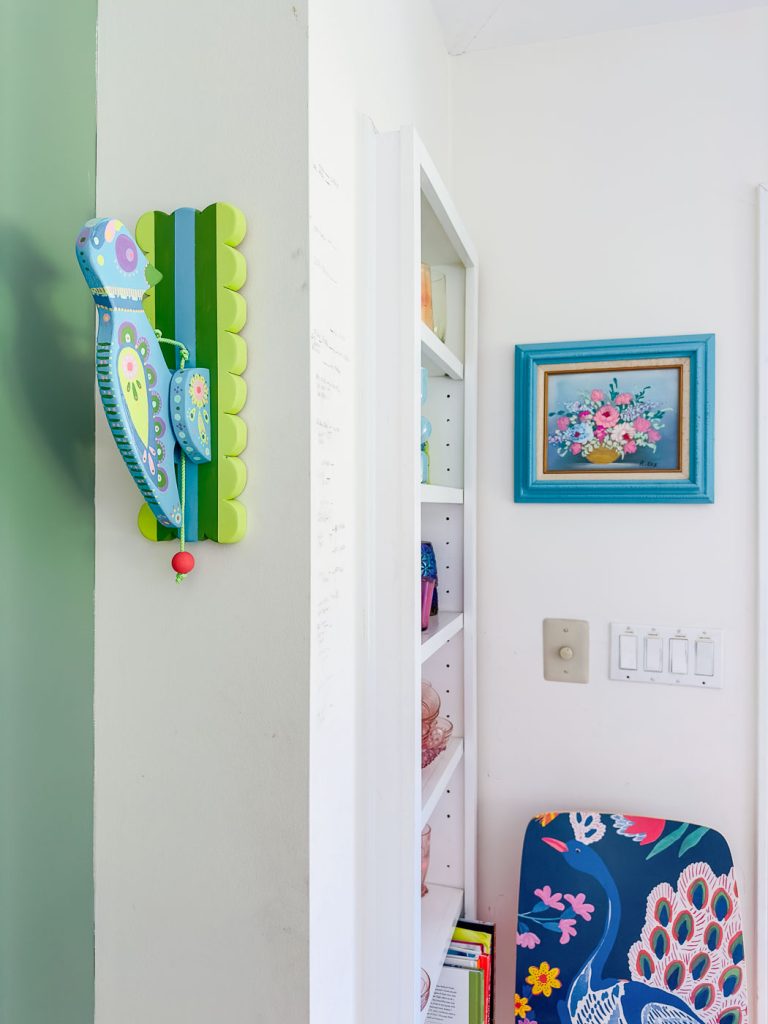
{"type": "Point", "coordinates": [603, 456]}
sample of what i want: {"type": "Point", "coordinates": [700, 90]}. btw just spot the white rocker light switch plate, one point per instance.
{"type": "Point", "coordinates": [566, 650]}
{"type": "Point", "coordinates": [674, 655]}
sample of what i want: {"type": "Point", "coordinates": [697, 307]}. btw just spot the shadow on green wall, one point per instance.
{"type": "Point", "coordinates": [46, 633]}
{"type": "Point", "coordinates": [50, 368]}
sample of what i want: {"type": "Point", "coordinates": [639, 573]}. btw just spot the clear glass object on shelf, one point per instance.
{"type": "Point", "coordinates": [439, 305]}
{"type": "Point", "coordinates": [426, 431]}
{"type": "Point", "coordinates": [426, 295]}
{"type": "Point", "coordinates": [426, 835]}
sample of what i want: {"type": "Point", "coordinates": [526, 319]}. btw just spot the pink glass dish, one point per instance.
{"type": "Point", "coordinates": [435, 741]}
{"type": "Point", "coordinates": [430, 707]}
{"type": "Point", "coordinates": [425, 986]}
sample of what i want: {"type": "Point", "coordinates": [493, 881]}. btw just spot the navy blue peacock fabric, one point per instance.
{"type": "Point", "coordinates": [628, 920]}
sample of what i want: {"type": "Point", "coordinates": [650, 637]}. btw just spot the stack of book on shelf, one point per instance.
{"type": "Point", "coordinates": [464, 991]}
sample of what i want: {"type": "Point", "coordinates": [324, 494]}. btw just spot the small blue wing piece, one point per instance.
{"type": "Point", "coordinates": [191, 412]}
{"type": "Point", "coordinates": [134, 380]}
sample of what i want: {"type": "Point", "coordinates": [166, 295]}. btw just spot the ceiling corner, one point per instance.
{"type": "Point", "coordinates": [462, 22]}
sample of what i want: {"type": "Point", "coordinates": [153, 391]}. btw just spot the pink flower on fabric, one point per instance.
{"type": "Point", "coordinates": [549, 898]}
{"type": "Point", "coordinates": [623, 399]}
{"type": "Point", "coordinates": [575, 448]}
{"type": "Point", "coordinates": [600, 433]}
{"type": "Point", "coordinates": [654, 435]}
{"type": "Point", "coordinates": [597, 395]}
{"type": "Point", "coordinates": [607, 416]}
{"type": "Point", "coordinates": [642, 424]}
{"type": "Point", "coordinates": [528, 940]}
{"type": "Point", "coordinates": [580, 906]}
{"type": "Point", "coordinates": [584, 414]}
{"type": "Point", "coordinates": [630, 447]}
{"type": "Point", "coordinates": [563, 423]}
{"type": "Point", "coordinates": [567, 926]}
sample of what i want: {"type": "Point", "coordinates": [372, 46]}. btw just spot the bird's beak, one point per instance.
{"type": "Point", "coordinates": [556, 844]}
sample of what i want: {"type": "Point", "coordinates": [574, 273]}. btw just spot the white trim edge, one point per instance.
{"type": "Point", "coordinates": [760, 959]}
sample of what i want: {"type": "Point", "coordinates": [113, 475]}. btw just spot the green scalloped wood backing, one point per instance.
{"type": "Point", "coordinates": [220, 271]}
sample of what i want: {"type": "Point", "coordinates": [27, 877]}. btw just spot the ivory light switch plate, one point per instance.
{"type": "Point", "coordinates": [566, 650]}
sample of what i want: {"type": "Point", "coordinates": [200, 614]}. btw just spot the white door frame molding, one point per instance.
{"type": "Point", "coordinates": [760, 960]}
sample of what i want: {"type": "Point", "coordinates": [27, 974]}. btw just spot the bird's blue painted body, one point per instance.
{"type": "Point", "coordinates": [152, 413]}
{"type": "Point", "coordinates": [133, 377]}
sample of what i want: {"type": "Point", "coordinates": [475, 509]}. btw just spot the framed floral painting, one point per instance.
{"type": "Point", "coordinates": [615, 421]}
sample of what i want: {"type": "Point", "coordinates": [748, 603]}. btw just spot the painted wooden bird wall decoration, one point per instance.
{"type": "Point", "coordinates": [176, 425]}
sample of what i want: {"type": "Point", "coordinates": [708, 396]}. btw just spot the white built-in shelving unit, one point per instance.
{"type": "Point", "coordinates": [416, 223]}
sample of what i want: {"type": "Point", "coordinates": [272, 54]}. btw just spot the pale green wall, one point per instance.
{"type": "Point", "coordinates": [47, 182]}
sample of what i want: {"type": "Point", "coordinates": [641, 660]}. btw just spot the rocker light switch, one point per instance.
{"type": "Point", "coordinates": [566, 650]}
{"type": "Point", "coordinates": [627, 651]}
{"type": "Point", "coordinates": [678, 656]}
{"type": "Point", "coordinates": [654, 653]}
{"type": "Point", "coordinates": [705, 658]}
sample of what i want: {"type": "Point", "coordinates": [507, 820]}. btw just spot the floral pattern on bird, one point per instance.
{"type": "Point", "coordinates": [198, 390]}
{"type": "Point", "coordinates": [608, 897]}
{"type": "Point", "coordinates": [143, 403]}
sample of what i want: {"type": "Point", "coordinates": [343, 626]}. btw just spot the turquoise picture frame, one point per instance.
{"type": "Point", "coordinates": [622, 420]}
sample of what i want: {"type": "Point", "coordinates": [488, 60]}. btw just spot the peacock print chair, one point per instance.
{"type": "Point", "coordinates": [627, 920]}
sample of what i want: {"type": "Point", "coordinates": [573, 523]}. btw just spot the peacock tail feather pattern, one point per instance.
{"type": "Point", "coordinates": [197, 302]}
{"type": "Point", "coordinates": [692, 944]}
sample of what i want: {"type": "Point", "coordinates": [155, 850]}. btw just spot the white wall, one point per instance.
{"type": "Point", "coordinates": [609, 184]}
{"type": "Point", "coordinates": [381, 65]}
{"type": "Point", "coordinates": [202, 765]}
{"type": "Point", "coordinates": [201, 709]}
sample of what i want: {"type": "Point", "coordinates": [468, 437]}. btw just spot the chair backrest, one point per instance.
{"type": "Point", "coordinates": [607, 900]}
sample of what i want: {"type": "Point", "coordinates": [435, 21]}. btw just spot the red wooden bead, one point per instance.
{"type": "Point", "coordinates": [183, 562]}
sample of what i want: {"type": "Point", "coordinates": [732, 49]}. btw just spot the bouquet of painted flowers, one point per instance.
{"type": "Point", "coordinates": [603, 428]}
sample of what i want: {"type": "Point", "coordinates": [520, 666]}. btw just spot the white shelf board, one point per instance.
{"type": "Point", "coordinates": [436, 777]}
{"type": "Point", "coordinates": [435, 355]}
{"type": "Point", "coordinates": [440, 910]}
{"type": "Point", "coordinates": [436, 495]}
{"type": "Point", "coordinates": [442, 628]}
